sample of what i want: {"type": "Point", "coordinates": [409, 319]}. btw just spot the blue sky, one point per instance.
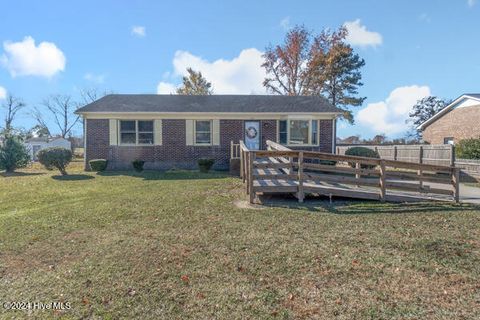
{"type": "Point", "coordinates": [411, 48]}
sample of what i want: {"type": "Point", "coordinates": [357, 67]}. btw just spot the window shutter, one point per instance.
{"type": "Point", "coordinates": [113, 132]}
{"type": "Point", "coordinates": [157, 131]}
{"type": "Point", "coordinates": [189, 132]}
{"type": "Point", "coordinates": [216, 132]}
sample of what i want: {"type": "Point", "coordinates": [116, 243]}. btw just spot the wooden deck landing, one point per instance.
{"type": "Point", "coordinates": [281, 170]}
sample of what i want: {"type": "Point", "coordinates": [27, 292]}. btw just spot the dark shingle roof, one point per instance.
{"type": "Point", "coordinates": [474, 95]}
{"type": "Point", "coordinates": [212, 103]}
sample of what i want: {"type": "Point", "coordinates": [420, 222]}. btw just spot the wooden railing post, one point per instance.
{"type": "Point", "coordinates": [357, 174]}
{"type": "Point", "coordinates": [300, 193]}
{"type": "Point", "coordinates": [382, 180]}
{"type": "Point", "coordinates": [242, 174]}
{"type": "Point", "coordinates": [456, 184]}
{"type": "Point", "coordinates": [251, 193]}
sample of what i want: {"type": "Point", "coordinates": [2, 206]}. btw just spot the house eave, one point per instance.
{"type": "Point", "coordinates": [445, 110]}
{"type": "Point", "coordinates": [207, 115]}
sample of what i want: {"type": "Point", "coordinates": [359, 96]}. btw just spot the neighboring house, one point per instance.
{"type": "Point", "coordinates": [175, 130]}
{"type": "Point", "coordinates": [457, 121]}
{"type": "Point", "coordinates": [36, 144]}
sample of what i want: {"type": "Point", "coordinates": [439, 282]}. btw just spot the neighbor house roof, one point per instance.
{"type": "Point", "coordinates": [126, 103]}
{"type": "Point", "coordinates": [451, 106]}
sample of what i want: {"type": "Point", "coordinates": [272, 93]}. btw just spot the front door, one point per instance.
{"type": "Point", "coordinates": [252, 135]}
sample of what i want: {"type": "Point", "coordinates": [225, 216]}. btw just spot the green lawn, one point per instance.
{"type": "Point", "coordinates": [175, 246]}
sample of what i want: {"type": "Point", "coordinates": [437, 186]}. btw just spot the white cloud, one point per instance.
{"type": "Point", "coordinates": [3, 93]}
{"type": "Point", "coordinates": [166, 88]}
{"type": "Point", "coordinates": [285, 23]}
{"type": "Point", "coordinates": [358, 35]}
{"type": "Point", "coordinates": [96, 78]}
{"type": "Point", "coordinates": [139, 31]}
{"type": "Point", "coordinates": [24, 58]}
{"type": "Point", "coordinates": [240, 75]}
{"type": "Point", "coordinates": [471, 3]}
{"type": "Point", "coordinates": [389, 116]}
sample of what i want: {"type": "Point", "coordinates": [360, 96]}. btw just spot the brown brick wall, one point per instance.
{"type": "Point", "coordinates": [174, 152]}
{"type": "Point", "coordinates": [461, 123]}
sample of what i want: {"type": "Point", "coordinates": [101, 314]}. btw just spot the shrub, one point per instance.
{"type": "Point", "coordinates": [468, 149]}
{"type": "Point", "coordinates": [138, 165]}
{"type": "Point", "coordinates": [328, 162]}
{"type": "Point", "coordinates": [362, 152]}
{"type": "Point", "coordinates": [13, 154]}
{"type": "Point", "coordinates": [55, 157]}
{"type": "Point", "coordinates": [205, 164]}
{"type": "Point", "coordinates": [98, 164]}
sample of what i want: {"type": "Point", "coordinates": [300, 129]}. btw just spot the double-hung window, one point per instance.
{"type": "Point", "coordinates": [298, 132]}
{"type": "Point", "coordinates": [136, 132]}
{"type": "Point", "coordinates": [203, 132]}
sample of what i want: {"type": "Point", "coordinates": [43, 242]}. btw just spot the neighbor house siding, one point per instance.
{"type": "Point", "coordinates": [174, 151]}
{"type": "Point", "coordinates": [461, 123]}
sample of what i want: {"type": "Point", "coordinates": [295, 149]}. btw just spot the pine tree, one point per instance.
{"type": "Point", "coordinates": [195, 84]}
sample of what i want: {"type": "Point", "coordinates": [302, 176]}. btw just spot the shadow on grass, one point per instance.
{"type": "Point", "coordinates": [73, 177]}
{"type": "Point", "coordinates": [20, 174]}
{"type": "Point", "coordinates": [167, 175]}
{"type": "Point", "coordinates": [349, 206]}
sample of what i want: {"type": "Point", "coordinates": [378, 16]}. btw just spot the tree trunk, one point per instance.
{"type": "Point", "coordinates": [63, 171]}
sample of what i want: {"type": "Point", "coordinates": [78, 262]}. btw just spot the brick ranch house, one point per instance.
{"type": "Point", "coordinates": [175, 130]}
{"type": "Point", "coordinates": [457, 121]}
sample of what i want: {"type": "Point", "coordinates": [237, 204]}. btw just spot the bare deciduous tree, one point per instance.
{"type": "Point", "coordinates": [62, 108]}
{"type": "Point", "coordinates": [12, 106]}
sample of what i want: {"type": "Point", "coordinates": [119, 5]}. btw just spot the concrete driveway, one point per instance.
{"type": "Point", "coordinates": [469, 194]}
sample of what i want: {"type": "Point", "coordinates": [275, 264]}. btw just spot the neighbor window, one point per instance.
{"type": "Point", "coordinates": [448, 140]}
{"type": "Point", "coordinates": [298, 132]}
{"type": "Point", "coordinates": [203, 132]}
{"type": "Point", "coordinates": [136, 132]}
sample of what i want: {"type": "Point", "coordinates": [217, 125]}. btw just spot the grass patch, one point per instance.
{"type": "Point", "coordinates": [173, 245]}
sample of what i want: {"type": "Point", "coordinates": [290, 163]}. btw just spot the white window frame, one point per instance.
{"type": "Point", "coordinates": [119, 133]}
{"type": "Point", "coordinates": [309, 144]}
{"type": "Point", "coordinates": [195, 133]}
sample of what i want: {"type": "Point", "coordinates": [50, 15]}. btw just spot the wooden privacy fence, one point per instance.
{"type": "Point", "coordinates": [437, 154]}
{"type": "Point", "coordinates": [282, 170]}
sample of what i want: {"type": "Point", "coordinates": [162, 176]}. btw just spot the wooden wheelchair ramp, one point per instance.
{"type": "Point", "coordinates": [282, 170]}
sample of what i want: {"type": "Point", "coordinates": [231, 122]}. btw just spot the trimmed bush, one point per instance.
{"type": "Point", "coordinates": [362, 152]}
{"type": "Point", "coordinates": [98, 164]}
{"type": "Point", "coordinates": [55, 157]}
{"type": "Point", "coordinates": [13, 154]}
{"type": "Point", "coordinates": [205, 164]}
{"type": "Point", "coordinates": [138, 165]}
{"type": "Point", "coordinates": [468, 149]}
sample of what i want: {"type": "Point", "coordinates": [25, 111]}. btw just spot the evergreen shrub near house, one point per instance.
{"type": "Point", "coordinates": [98, 164]}
{"type": "Point", "coordinates": [55, 158]}
{"type": "Point", "coordinates": [13, 154]}
{"type": "Point", "coordinates": [205, 164]}
{"type": "Point", "coordinates": [362, 152]}
{"type": "Point", "coordinates": [468, 149]}
{"type": "Point", "coordinates": [138, 165]}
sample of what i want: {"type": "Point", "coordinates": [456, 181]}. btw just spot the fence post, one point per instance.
{"type": "Point", "coordinates": [251, 193]}
{"type": "Point", "coordinates": [456, 184]}
{"type": "Point", "coordinates": [420, 171]}
{"type": "Point", "coordinates": [382, 180]}
{"type": "Point", "coordinates": [395, 153]}
{"type": "Point", "coordinates": [452, 155]}
{"type": "Point", "coordinates": [300, 193]}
